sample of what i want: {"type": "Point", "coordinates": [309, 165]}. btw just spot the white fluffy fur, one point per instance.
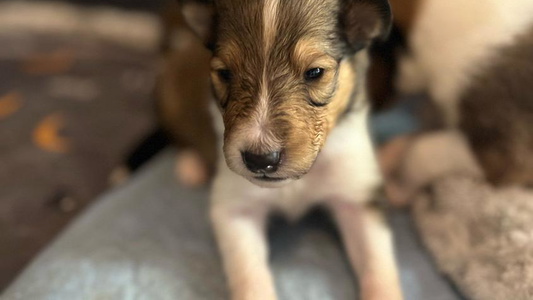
{"type": "Point", "coordinates": [452, 38]}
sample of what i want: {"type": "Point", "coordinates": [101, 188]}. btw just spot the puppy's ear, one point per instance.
{"type": "Point", "coordinates": [201, 18]}
{"type": "Point", "coordinates": [364, 20]}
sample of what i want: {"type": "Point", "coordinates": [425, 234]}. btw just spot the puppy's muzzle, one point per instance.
{"type": "Point", "coordinates": [265, 163]}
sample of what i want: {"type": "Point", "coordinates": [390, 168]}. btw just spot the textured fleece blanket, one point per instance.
{"type": "Point", "coordinates": [481, 237]}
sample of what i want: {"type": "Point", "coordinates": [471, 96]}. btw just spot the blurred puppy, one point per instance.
{"type": "Point", "coordinates": [183, 94]}
{"type": "Point", "coordinates": [291, 111]}
{"type": "Point", "coordinates": [475, 58]}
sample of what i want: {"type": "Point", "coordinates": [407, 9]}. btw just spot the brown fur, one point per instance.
{"type": "Point", "coordinates": [497, 114]}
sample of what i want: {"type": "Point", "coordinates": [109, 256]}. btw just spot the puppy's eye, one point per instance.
{"type": "Point", "coordinates": [313, 74]}
{"type": "Point", "coordinates": [225, 75]}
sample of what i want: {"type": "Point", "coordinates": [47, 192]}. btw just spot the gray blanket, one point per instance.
{"type": "Point", "coordinates": [150, 239]}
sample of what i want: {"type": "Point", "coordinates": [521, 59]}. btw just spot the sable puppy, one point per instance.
{"type": "Point", "coordinates": [291, 111]}
{"type": "Point", "coordinates": [476, 61]}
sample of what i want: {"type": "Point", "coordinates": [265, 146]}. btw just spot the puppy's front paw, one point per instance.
{"type": "Point", "coordinates": [191, 169]}
{"type": "Point", "coordinates": [381, 296]}
{"type": "Point", "coordinates": [252, 294]}
{"type": "Point", "coordinates": [381, 291]}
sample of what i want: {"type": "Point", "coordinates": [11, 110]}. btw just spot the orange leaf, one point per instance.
{"type": "Point", "coordinates": [47, 134]}
{"type": "Point", "coordinates": [10, 104]}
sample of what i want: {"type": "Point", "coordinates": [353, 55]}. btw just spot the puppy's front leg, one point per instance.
{"type": "Point", "coordinates": [368, 242]}
{"type": "Point", "coordinates": [241, 238]}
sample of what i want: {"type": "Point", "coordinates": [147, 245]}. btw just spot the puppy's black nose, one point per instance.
{"type": "Point", "coordinates": [261, 163]}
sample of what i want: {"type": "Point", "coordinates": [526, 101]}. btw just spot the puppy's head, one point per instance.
{"type": "Point", "coordinates": [282, 73]}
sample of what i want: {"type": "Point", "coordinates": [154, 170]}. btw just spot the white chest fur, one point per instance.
{"type": "Point", "coordinates": [346, 169]}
